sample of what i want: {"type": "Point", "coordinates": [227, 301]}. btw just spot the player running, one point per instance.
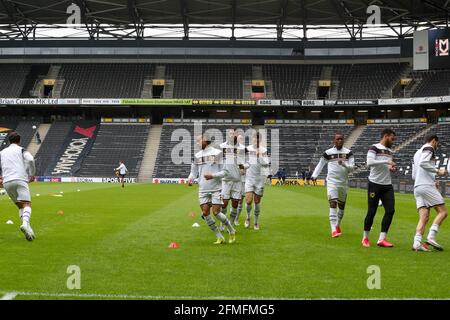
{"type": "Point", "coordinates": [121, 171]}
{"type": "Point", "coordinates": [18, 169]}
{"type": "Point", "coordinates": [233, 155]}
{"type": "Point", "coordinates": [379, 160]}
{"type": "Point", "coordinates": [340, 162]}
{"type": "Point", "coordinates": [207, 167]}
{"type": "Point", "coordinates": [255, 179]}
{"type": "Point", "coordinates": [426, 193]}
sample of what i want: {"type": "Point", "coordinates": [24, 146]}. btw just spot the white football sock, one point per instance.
{"type": "Point", "coordinates": [26, 214]}
{"type": "Point", "coordinates": [223, 218]}
{"type": "Point", "coordinates": [340, 216]}
{"type": "Point", "coordinates": [212, 225]}
{"type": "Point", "coordinates": [249, 211]}
{"type": "Point", "coordinates": [382, 236]}
{"type": "Point", "coordinates": [333, 219]}
{"type": "Point", "coordinates": [366, 234]}
{"type": "Point", "coordinates": [417, 241]}
{"type": "Point", "coordinates": [257, 211]}
{"type": "Point", "coordinates": [433, 231]}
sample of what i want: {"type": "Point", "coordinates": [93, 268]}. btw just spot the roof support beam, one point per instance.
{"type": "Point", "coordinates": [233, 19]}
{"type": "Point", "coordinates": [23, 25]}
{"type": "Point", "coordinates": [136, 19]}
{"type": "Point", "coordinates": [339, 8]}
{"type": "Point", "coordinates": [282, 19]}
{"type": "Point", "coordinates": [89, 22]}
{"type": "Point", "coordinates": [304, 14]}
{"type": "Point", "coordinates": [185, 19]}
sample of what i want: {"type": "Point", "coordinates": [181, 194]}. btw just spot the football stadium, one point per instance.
{"type": "Point", "coordinates": [208, 150]}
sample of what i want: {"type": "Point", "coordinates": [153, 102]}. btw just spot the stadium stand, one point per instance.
{"type": "Point", "coordinates": [115, 142]}
{"type": "Point", "coordinates": [209, 81]}
{"type": "Point", "coordinates": [12, 79]}
{"type": "Point", "coordinates": [366, 81]}
{"type": "Point", "coordinates": [432, 83]}
{"type": "Point", "coordinates": [49, 150]}
{"type": "Point", "coordinates": [26, 131]}
{"type": "Point", "coordinates": [222, 81]}
{"type": "Point", "coordinates": [301, 146]}
{"type": "Point", "coordinates": [371, 135]}
{"type": "Point", "coordinates": [291, 81]}
{"type": "Point", "coordinates": [77, 143]}
{"type": "Point", "coordinates": [104, 80]}
{"type": "Point", "coordinates": [404, 156]}
{"type": "Point", "coordinates": [171, 136]}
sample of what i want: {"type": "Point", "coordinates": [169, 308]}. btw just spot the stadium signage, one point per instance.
{"type": "Point", "coordinates": [70, 156]}
{"type": "Point", "coordinates": [408, 101]}
{"type": "Point", "coordinates": [265, 102]}
{"type": "Point", "coordinates": [291, 103]}
{"type": "Point", "coordinates": [312, 103]}
{"type": "Point", "coordinates": [102, 101]}
{"type": "Point", "coordinates": [169, 181]}
{"type": "Point", "coordinates": [223, 102]}
{"type": "Point", "coordinates": [157, 102]}
{"type": "Point", "coordinates": [350, 102]}
{"type": "Point", "coordinates": [76, 146]}
{"type": "Point", "coordinates": [116, 180]}
{"type": "Point", "coordinates": [88, 179]}
{"type": "Point", "coordinates": [81, 179]}
{"type": "Point", "coordinates": [37, 101]}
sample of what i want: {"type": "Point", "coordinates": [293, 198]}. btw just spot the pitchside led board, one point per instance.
{"type": "Point", "coordinates": [431, 49]}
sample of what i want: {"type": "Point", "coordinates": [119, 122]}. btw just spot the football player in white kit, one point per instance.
{"type": "Point", "coordinates": [234, 156]}
{"type": "Point", "coordinates": [241, 140]}
{"type": "Point", "coordinates": [340, 162]}
{"type": "Point", "coordinates": [255, 178]}
{"type": "Point", "coordinates": [18, 169]}
{"type": "Point", "coordinates": [207, 167]}
{"type": "Point", "coordinates": [122, 170]}
{"type": "Point", "coordinates": [427, 195]}
{"type": "Point", "coordinates": [381, 164]}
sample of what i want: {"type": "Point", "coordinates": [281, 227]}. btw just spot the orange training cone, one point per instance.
{"type": "Point", "coordinates": [173, 245]}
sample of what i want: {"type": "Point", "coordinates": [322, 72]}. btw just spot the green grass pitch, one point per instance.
{"type": "Point", "coordinates": [119, 238]}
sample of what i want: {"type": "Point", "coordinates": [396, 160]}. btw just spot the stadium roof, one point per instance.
{"type": "Point", "coordinates": [137, 18]}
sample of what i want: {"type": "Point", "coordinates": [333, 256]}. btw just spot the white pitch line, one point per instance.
{"type": "Point", "coordinates": [138, 297]}
{"type": "Point", "coordinates": [9, 296]}
{"type": "Point", "coordinates": [13, 295]}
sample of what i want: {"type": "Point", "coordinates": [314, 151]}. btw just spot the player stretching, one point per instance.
{"type": "Point", "coordinates": [18, 170]}
{"type": "Point", "coordinates": [207, 163]}
{"type": "Point", "coordinates": [234, 155]}
{"type": "Point", "coordinates": [340, 162]}
{"type": "Point", "coordinates": [255, 179]}
{"type": "Point", "coordinates": [121, 171]}
{"type": "Point", "coordinates": [426, 193]}
{"type": "Point", "coordinates": [379, 160]}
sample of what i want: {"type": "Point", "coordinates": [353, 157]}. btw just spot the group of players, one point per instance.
{"type": "Point", "coordinates": [231, 171]}
{"type": "Point", "coordinates": [341, 162]}
{"type": "Point", "coordinates": [226, 173]}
